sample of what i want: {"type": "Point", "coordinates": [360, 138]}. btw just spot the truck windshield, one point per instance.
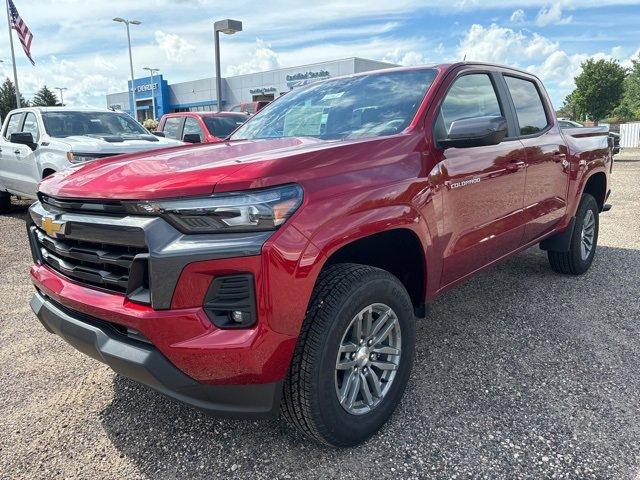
{"type": "Point", "coordinates": [66, 124]}
{"type": "Point", "coordinates": [222, 126]}
{"type": "Point", "coordinates": [354, 107]}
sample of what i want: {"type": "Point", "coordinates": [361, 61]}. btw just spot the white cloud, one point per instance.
{"type": "Point", "coordinates": [263, 58]}
{"type": "Point", "coordinates": [405, 58]}
{"type": "Point", "coordinates": [552, 15]}
{"type": "Point", "coordinates": [175, 48]}
{"type": "Point", "coordinates": [102, 63]}
{"type": "Point", "coordinates": [517, 16]}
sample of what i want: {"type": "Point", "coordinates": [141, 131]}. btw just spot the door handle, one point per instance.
{"type": "Point", "coordinates": [515, 166]}
{"type": "Point", "coordinates": [17, 152]}
{"type": "Point", "coordinates": [559, 157]}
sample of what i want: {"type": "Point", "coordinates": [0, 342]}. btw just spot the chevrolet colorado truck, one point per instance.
{"type": "Point", "coordinates": [39, 141]}
{"type": "Point", "coordinates": [284, 268]}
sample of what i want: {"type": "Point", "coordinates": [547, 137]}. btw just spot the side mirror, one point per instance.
{"type": "Point", "coordinates": [23, 138]}
{"type": "Point", "coordinates": [158, 133]}
{"type": "Point", "coordinates": [191, 138]}
{"type": "Point", "coordinates": [475, 132]}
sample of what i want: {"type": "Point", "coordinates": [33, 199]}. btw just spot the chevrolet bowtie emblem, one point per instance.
{"type": "Point", "coordinates": [53, 227]}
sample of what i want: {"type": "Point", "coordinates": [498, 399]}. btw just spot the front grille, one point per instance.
{"type": "Point", "coordinates": [66, 205]}
{"type": "Point", "coordinates": [119, 269]}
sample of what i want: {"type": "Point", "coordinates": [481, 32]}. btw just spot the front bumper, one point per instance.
{"type": "Point", "coordinates": [143, 363]}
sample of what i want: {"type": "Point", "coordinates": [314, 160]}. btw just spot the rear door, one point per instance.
{"type": "Point", "coordinates": [483, 187]}
{"type": "Point", "coordinates": [8, 156]}
{"type": "Point", "coordinates": [545, 196]}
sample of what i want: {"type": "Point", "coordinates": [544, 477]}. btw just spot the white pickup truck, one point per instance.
{"type": "Point", "coordinates": [39, 141]}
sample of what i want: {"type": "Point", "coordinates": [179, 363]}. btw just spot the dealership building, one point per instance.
{"type": "Point", "coordinates": [200, 95]}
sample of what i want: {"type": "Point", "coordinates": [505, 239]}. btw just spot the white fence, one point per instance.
{"type": "Point", "coordinates": [630, 135]}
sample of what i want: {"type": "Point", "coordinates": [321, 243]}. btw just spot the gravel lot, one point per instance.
{"type": "Point", "coordinates": [520, 373]}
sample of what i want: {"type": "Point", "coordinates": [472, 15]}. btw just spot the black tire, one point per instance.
{"type": "Point", "coordinates": [573, 262]}
{"type": "Point", "coordinates": [310, 402]}
{"type": "Point", "coordinates": [5, 202]}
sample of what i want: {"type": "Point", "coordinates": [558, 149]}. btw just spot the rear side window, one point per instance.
{"type": "Point", "coordinates": [172, 127]}
{"type": "Point", "coordinates": [12, 126]}
{"type": "Point", "coordinates": [471, 96]}
{"type": "Point", "coordinates": [532, 117]}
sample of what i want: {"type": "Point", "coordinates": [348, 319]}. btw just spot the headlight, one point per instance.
{"type": "Point", "coordinates": [226, 212]}
{"type": "Point", "coordinates": [80, 157]}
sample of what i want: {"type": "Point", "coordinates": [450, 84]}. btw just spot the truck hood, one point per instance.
{"type": "Point", "coordinates": [115, 144]}
{"type": "Point", "coordinates": [190, 170]}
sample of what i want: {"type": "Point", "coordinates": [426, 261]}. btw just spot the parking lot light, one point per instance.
{"type": "Point", "coordinates": [133, 90]}
{"type": "Point", "coordinates": [228, 27]}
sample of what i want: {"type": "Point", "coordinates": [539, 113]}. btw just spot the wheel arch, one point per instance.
{"type": "Point", "coordinates": [368, 237]}
{"type": "Point", "coordinates": [596, 186]}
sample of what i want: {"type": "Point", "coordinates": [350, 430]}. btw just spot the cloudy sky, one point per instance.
{"type": "Point", "coordinates": [77, 45]}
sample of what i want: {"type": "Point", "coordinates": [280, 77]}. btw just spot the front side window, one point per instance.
{"type": "Point", "coordinates": [65, 124]}
{"type": "Point", "coordinates": [361, 106]}
{"type": "Point", "coordinates": [191, 125]}
{"type": "Point", "coordinates": [532, 117]}
{"type": "Point", "coordinates": [31, 126]}
{"type": "Point", "coordinates": [172, 127]}
{"type": "Point", "coordinates": [13, 125]}
{"type": "Point", "coordinates": [471, 96]}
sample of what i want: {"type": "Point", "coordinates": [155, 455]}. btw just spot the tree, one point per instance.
{"type": "Point", "coordinates": [8, 98]}
{"type": "Point", "coordinates": [570, 108]}
{"type": "Point", "coordinates": [45, 98]}
{"type": "Point", "coordinates": [599, 87]}
{"type": "Point", "coordinates": [629, 108]}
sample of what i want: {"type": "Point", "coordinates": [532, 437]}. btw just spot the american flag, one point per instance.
{"type": "Point", "coordinates": [23, 31]}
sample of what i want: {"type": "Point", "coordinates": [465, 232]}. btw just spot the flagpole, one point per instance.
{"type": "Point", "coordinates": [13, 57]}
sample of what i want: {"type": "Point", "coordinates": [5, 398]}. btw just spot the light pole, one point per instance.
{"type": "Point", "coordinates": [153, 93]}
{"type": "Point", "coordinates": [61, 89]}
{"type": "Point", "coordinates": [229, 27]}
{"type": "Point", "coordinates": [133, 90]}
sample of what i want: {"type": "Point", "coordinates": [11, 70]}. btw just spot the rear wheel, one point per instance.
{"type": "Point", "coordinates": [5, 202]}
{"type": "Point", "coordinates": [353, 357]}
{"type": "Point", "coordinates": [584, 241]}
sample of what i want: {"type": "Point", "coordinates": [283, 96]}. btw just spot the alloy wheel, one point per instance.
{"type": "Point", "coordinates": [368, 359]}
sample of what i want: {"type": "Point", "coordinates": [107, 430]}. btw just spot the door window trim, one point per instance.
{"type": "Point", "coordinates": [498, 88]}
{"type": "Point", "coordinates": [543, 99]}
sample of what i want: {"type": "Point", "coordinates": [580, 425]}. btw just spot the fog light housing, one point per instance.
{"type": "Point", "coordinates": [230, 301]}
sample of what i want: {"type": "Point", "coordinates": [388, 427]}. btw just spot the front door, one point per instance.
{"type": "Point", "coordinates": [483, 187]}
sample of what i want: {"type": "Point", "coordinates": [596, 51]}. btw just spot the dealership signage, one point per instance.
{"type": "Point", "coordinates": [303, 78]}
{"type": "Point", "coordinates": [147, 87]}
{"type": "Point", "coordinates": [262, 90]}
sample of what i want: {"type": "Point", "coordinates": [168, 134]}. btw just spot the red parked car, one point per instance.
{"type": "Point", "coordinates": [200, 127]}
{"type": "Point", "coordinates": [250, 108]}
{"type": "Point", "coordinates": [285, 267]}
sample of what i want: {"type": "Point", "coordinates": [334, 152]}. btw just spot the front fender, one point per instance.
{"type": "Point", "coordinates": [329, 238]}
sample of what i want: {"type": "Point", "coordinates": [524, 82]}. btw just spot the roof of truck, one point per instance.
{"type": "Point", "coordinates": [62, 109]}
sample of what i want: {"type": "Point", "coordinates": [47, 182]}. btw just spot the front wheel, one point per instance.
{"type": "Point", "coordinates": [5, 202]}
{"type": "Point", "coordinates": [353, 357]}
{"type": "Point", "coordinates": [584, 240]}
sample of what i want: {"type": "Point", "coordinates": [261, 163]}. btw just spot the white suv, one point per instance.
{"type": "Point", "coordinates": [37, 142]}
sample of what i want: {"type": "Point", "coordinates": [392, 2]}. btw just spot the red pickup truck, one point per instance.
{"type": "Point", "coordinates": [284, 269]}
